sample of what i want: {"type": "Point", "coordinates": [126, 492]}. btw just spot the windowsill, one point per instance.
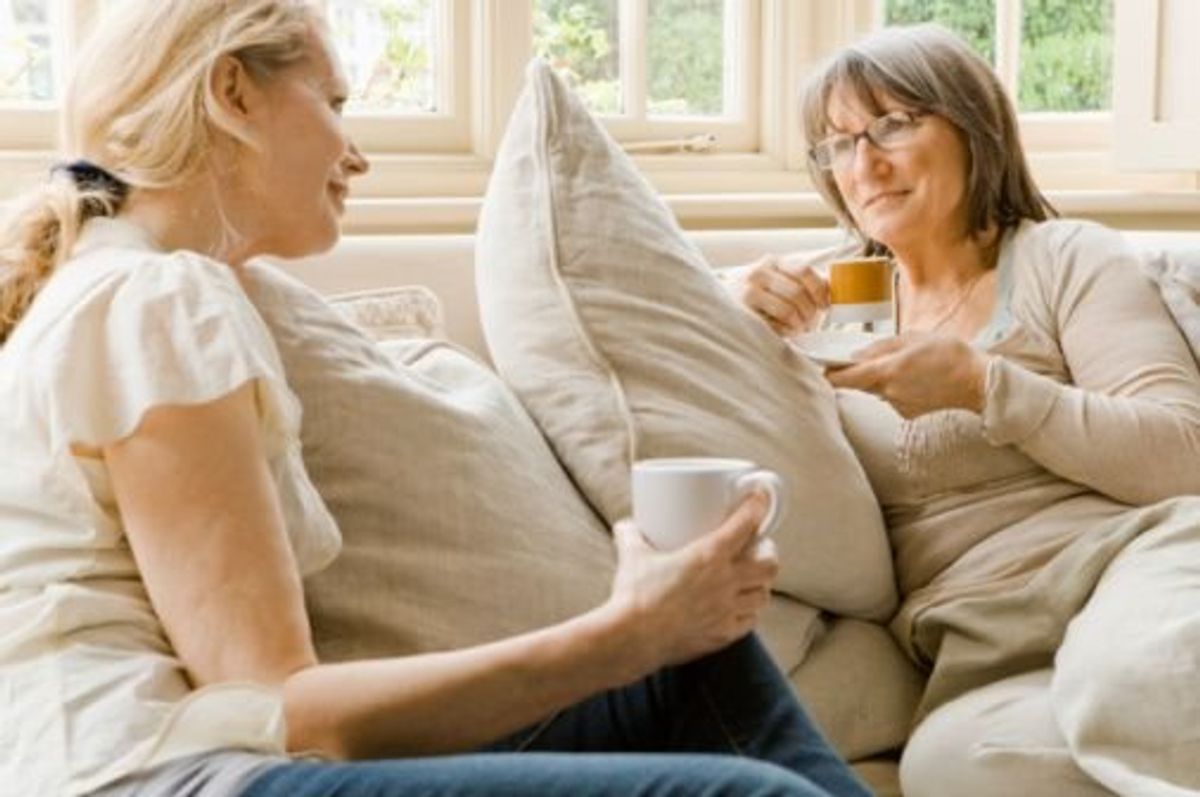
{"type": "Point", "coordinates": [409, 176]}
{"type": "Point", "coordinates": [443, 194]}
{"type": "Point", "coordinates": [1177, 209]}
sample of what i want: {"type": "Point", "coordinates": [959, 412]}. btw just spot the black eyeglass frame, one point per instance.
{"type": "Point", "coordinates": [910, 119]}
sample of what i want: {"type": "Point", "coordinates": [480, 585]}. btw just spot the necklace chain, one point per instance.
{"type": "Point", "coordinates": [958, 303]}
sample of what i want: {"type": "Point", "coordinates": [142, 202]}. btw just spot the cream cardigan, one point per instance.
{"type": "Point", "coordinates": [1001, 524]}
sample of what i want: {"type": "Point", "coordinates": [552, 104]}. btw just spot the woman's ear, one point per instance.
{"type": "Point", "coordinates": [236, 99]}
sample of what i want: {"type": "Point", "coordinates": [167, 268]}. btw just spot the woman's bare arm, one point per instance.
{"type": "Point", "coordinates": [203, 520]}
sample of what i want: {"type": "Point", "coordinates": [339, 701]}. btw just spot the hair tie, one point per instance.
{"type": "Point", "coordinates": [87, 176]}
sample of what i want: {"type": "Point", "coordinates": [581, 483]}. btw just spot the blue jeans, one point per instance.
{"type": "Point", "coordinates": [726, 724]}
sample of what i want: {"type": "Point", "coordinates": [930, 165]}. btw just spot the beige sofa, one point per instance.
{"type": "Point", "coordinates": [849, 672]}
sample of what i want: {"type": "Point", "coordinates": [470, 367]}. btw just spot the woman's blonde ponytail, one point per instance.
{"type": "Point", "coordinates": [41, 231]}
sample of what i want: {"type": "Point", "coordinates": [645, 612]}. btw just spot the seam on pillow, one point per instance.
{"type": "Point", "coordinates": [551, 208]}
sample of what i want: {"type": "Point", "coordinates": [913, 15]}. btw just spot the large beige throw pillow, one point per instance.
{"type": "Point", "coordinates": [622, 344]}
{"type": "Point", "coordinates": [459, 525]}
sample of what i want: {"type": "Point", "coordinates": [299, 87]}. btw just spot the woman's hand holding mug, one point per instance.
{"type": "Point", "coordinates": [788, 293]}
{"type": "Point", "coordinates": [684, 596]}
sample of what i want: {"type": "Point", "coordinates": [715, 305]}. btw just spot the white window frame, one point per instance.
{"type": "Point", "coordinates": [448, 129]}
{"type": "Point", "coordinates": [1159, 125]}
{"type": "Point", "coordinates": [490, 71]}
{"type": "Point", "coordinates": [502, 43]}
{"type": "Point", "coordinates": [1067, 151]}
{"type": "Point", "coordinates": [34, 125]}
{"type": "Point", "coordinates": [430, 171]}
{"type": "Point", "coordinates": [737, 129]}
{"type": "Point", "coordinates": [1041, 131]}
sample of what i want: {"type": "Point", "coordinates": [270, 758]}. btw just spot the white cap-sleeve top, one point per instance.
{"type": "Point", "coordinates": [90, 689]}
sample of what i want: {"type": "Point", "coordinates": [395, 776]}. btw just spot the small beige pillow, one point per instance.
{"type": "Point", "coordinates": [426, 460]}
{"type": "Point", "coordinates": [404, 311]}
{"type": "Point", "coordinates": [622, 344]}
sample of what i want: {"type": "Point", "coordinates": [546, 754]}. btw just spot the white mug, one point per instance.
{"type": "Point", "coordinates": [676, 500]}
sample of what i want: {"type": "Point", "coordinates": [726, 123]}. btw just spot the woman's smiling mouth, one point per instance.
{"type": "Point", "coordinates": [883, 196]}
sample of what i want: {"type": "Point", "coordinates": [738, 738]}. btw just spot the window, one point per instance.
{"type": "Point", "coordinates": [409, 81]}
{"type": "Point", "coordinates": [35, 41]}
{"type": "Point", "coordinates": [702, 91]}
{"type": "Point", "coordinates": [582, 40]}
{"type": "Point", "coordinates": [389, 49]}
{"type": "Point", "coordinates": [27, 62]}
{"type": "Point", "coordinates": [1158, 107]}
{"type": "Point", "coordinates": [1052, 55]}
{"type": "Point", "coordinates": [677, 70]}
{"type": "Point", "coordinates": [1055, 59]}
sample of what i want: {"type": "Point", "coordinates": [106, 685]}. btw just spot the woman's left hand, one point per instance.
{"type": "Point", "coordinates": [918, 373]}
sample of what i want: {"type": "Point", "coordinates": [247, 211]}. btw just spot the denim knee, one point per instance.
{"type": "Point", "coordinates": [754, 778]}
{"type": "Point", "coordinates": [549, 774]}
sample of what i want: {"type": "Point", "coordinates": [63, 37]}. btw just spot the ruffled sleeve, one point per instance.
{"type": "Point", "coordinates": [165, 329]}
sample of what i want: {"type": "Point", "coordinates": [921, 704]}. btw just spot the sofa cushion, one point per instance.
{"type": "Point", "coordinates": [402, 311]}
{"type": "Point", "coordinates": [427, 464]}
{"type": "Point", "coordinates": [859, 687]}
{"type": "Point", "coordinates": [610, 326]}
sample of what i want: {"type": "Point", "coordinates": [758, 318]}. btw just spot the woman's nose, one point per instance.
{"type": "Point", "coordinates": [356, 162]}
{"type": "Point", "coordinates": [867, 157]}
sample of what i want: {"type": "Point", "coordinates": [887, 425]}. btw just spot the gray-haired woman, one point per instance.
{"type": "Point", "coordinates": [1032, 432]}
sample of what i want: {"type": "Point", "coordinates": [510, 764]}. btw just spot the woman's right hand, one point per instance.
{"type": "Point", "coordinates": [682, 604]}
{"type": "Point", "coordinates": [788, 293]}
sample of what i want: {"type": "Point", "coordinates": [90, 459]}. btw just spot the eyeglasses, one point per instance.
{"type": "Point", "coordinates": [889, 131]}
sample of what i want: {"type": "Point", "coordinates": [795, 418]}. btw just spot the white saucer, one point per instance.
{"type": "Point", "coordinates": [835, 347]}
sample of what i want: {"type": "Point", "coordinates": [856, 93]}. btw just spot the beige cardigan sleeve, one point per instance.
{"type": "Point", "coordinates": [1127, 422]}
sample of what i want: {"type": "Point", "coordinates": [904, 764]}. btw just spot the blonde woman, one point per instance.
{"type": "Point", "coordinates": [156, 518]}
{"type": "Point", "coordinates": [1032, 432]}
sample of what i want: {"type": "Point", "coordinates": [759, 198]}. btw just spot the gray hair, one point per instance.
{"type": "Point", "coordinates": [930, 69]}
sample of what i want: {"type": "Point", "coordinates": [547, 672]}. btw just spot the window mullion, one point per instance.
{"type": "Point", "coordinates": [1008, 43]}
{"type": "Point", "coordinates": [787, 43]}
{"type": "Point", "coordinates": [75, 18]}
{"type": "Point", "coordinates": [857, 18]}
{"type": "Point", "coordinates": [502, 43]}
{"type": "Point", "coordinates": [742, 57]}
{"type": "Point", "coordinates": [447, 78]}
{"type": "Point", "coordinates": [634, 79]}
{"type": "Point", "coordinates": [732, 95]}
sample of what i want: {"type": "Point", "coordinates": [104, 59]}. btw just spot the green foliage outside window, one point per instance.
{"type": "Point", "coordinates": [400, 76]}
{"type": "Point", "coordinates": [579, 39]}
{"type": "Point", "coordinates": [1066, 46]}
{"type": "Point", "coordinates": [685, 57]}
{"type": "Point", "coordinates": [1066, 55]}
{"type": "Point", "coordinates": [25, 68]}
{"type": "Point", "coordinates": [684, 60]}
{"type": "Point", "coordinates": [25, 65]}
{"type": "Point", "coordinates": [974, 20]}
{"type": "Point", "coordinates": [1065, 60]}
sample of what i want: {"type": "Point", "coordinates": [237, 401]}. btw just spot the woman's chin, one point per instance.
{"type": "Point", "coordinates": [886, 234]}
{"type": "Point", "coordinates": [893, 229]}
{"type": "Point", "coordinates": [313, 242]}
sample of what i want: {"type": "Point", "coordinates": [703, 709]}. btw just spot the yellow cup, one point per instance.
{"type": "Point", "coordinates": [860, 290]}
